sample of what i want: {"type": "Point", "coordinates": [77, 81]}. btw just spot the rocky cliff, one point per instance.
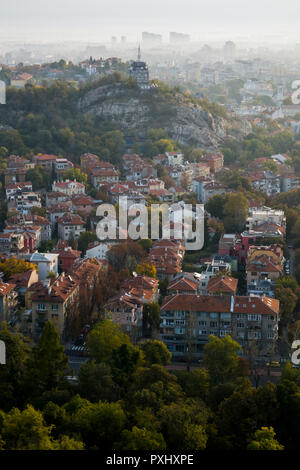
{"type": "Point", "coordinates": [186, 120]}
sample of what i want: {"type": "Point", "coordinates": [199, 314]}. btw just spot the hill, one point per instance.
{"type": "Point", "coordinates": [187, 120]}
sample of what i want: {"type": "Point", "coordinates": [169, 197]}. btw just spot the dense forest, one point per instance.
{"type": "Point", "coordinates": [126, 399]}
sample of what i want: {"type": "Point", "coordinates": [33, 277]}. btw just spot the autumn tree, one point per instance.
{"type": "Point", "coordinates": [14, 265]}
{"type": "Point", "coordinates": [146, 269]}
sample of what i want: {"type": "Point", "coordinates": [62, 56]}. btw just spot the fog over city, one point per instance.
{"type": "Point", "coordinates": [94, 20]}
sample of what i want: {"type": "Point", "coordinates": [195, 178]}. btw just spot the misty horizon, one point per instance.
{"type": "Point", "coordinates": [97, 21]}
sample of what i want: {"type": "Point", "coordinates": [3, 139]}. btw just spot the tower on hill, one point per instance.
{"type": "Point", "coordinates": [139, 71]}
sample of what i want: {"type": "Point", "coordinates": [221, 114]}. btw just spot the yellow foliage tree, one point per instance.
{"type": "Point", "coordinates": [14, 265]}
{"type": "Point", "coordinates": [146, 269]}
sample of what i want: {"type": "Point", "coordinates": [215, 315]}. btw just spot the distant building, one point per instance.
{"type": "Point", "coordinates": [179, 38]}
{"type": "Point", "coordinates": [21, 80]}
{"type": "Point", "coordinates": [139, 71]}
{"type": "Point", "coordinates": [151, 38]}
{"type": "Point", "coordinates": [229, 50]}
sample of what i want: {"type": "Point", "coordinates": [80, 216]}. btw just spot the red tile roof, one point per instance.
{"type": "Point", "coordinates": [222, 284]}
{"type": "Point", "coordinates": [6, 288]}
{"type": "Point", "coordinates": [221, 304]}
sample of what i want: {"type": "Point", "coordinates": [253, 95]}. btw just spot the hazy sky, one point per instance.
{"type": "Point", "coordinates": [113, 17]}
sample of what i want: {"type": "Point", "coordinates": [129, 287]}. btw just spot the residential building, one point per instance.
{"type": "Point", "coordinates": [70, 225]}
{"type": "Point", "coordinates": [52, 300]}
{"type": "Point", "coordinates": [69, 188]}
{"type": "Point", "coordinates": [8, 301]}
{"type": "Point", "coordinates": [257, 216]}
{"type": "Point", "coordinates": [46, 263]}
{"type": "Point", "coordinates": [66, 256]}
{"type": "Point", "coordinates": [222, 285]}
{"type": "Point", "coordinates": [243, 318]}
{"type": "Point", "coordinates": [23, 281]}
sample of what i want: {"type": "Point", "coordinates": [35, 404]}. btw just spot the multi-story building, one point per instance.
{"type": "Point", "coordinates": [205, 188]}
{"type": "Point", "coordinates": [290, 182]}
{"type": "Point", "coordinates": [258, 216]}
{"type": "Point", "coordinates": [8, 300]}
{"type": "Point", "coordinates": [13, 188]}
{"type": "Point", "coordinates": [66, 256]}
{"type": "Point", "coordinates": [214, 161]}
{"type": "Point", "coordinates": [23, 201]}
{"type": "Point", "coordinates": [265, 181]}
{"type": "Point", "coordinates": [51, 300]}
{"type": "Point", "coordinates": [69, 188]}
{"type": "Point", "coordinates": [47, 162]}
{"type": "Point", "coordinates": [188, 320]}
{"type": "Point", "coordinates": [70, 225]}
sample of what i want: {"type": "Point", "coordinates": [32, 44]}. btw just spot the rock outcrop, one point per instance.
{"type": "Point", "coordinates": [185, 120]}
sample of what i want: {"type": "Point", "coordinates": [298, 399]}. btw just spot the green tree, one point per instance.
{"type": "Point", "coordinates": [140, 439]}
{"type": "Point", "coordinates": [26, 430]}
{"type": "Point", "coordinates": [84, 239]}
{"type": "Point", "coordinates": [151, 318]}
{"type": "Point", "coordinates": [235, 212]}
{"type": "Point", "coordinates": [75, 174]}
{"type": "Point", "coordinates": [12, 373]}
{"type": "Point", "coordinates": [156, 352]}
{"type": "Point", "coordinates": [96, 382]}
{"type": "Point", "coordinates": [48, 365]}
{"type": "Point", "coordinates": [264, 439]}
{"type": "Point", "coordinates": [221, 358]}
{"type": "Point", "coordinates": [103, 339]}
{"type": "Point", "coordinates": [100, 424]}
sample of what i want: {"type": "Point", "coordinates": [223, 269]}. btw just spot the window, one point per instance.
{"type": "Point", "coordinates": [254, 317]}
{"type": "Point", "coordinates": [54, 307]}
{"type": "Point", "coordinates": [225, 316]}
{"type": "Point", "coordinates": [41, 307]}
{"type": "Point", "coordinates": [213, 324]}
{"type": "Point", "coordinates": [254, 334]}
{"type": "Point", "coordinates": [213, 315]}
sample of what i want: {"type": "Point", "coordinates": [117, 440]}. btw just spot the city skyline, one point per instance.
{"type": "Point", "coordinates": [98, 21]}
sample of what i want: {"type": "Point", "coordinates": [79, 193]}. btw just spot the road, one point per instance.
{"type": "Point", "coordinates": [75, 362]}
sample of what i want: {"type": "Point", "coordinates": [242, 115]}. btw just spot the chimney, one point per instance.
{"type": "Point", "coordinates": [231, 304]}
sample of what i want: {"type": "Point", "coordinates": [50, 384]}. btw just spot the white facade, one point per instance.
{"type": "Point", "coordinates": [46, 262]}
{"type": "Point", "coordinates": [98, 251]}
